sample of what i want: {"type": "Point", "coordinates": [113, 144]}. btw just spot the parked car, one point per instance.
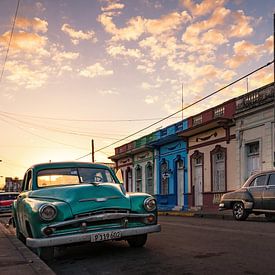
{"type": "Point", "coordinates": [257, 196]}
{"type": "Point", "coordinates": [73, 202]}
{"type": "Point", "coordinates": [6, 200]}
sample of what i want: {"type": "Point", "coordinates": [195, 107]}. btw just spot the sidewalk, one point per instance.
{"type": "Point", "coordinates": [16, 258]}
{"type": "Point", "coordinates": [225, 215]}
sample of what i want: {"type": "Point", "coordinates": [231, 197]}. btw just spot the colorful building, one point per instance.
{"type": "Point", "coordinates": [171, 168]}
{"type": "Point", "coordinates": [211, 153]}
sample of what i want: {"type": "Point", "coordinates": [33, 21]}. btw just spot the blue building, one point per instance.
{"type": "Point", "coordinates": [171, 161]}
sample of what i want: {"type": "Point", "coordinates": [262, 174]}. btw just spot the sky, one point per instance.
{"type": "Point", "coordinates": [74, 71]}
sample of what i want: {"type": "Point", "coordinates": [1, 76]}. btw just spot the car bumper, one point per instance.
{"type": "Point", "coordinates": [89, 237]}
{"type": "Point", "coordinates": [228, 205]}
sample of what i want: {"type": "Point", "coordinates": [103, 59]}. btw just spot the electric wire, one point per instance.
{"type": "Point", "coordinates": [55, 129]}
{"type": "Point", "coordinates": [182, 109]}
{"type": "Point", "coordinates": [84, 120]}
{"type": "Point", "coordinates": [42, 137]}
{"type": "Point", "coordinates": [8, 49]}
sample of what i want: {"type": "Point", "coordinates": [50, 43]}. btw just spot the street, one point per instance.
{"type": "Point", "coordinates": [186, 245]}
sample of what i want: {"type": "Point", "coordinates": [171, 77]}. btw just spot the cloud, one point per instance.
{"type": "Point", "coordinates": [109, 92]}
{"type": "Point", "coordinates": [191, 35]}
{"type": "Point", "coordinates": [151, 99]}
{"type": "Point", "coordinates": [242, 28]}
{"type": "Point", "coordinates": [31, 53]}
{"type": "Point", "coordinates": [166, 23]}
{"type": "Point", "coordinates": [23, 75]}
{"type": "Point", "coordinates": [204, 8]}
{"type": "Point", "coordinates": [148, 86]}
{"type": "Point", "coordinates": [36, 24]}
{"type": "Point", "coordinates": [77, 36]}
{"type": "Point", "coordinates": [213, 36]}
{"type": "Point", "coordinates": [120, 50]}
{"type": "Point", "coordinates": [113, 6]}
{"type": "Point", "coordinates": [25, 42]}
{"type": "Point", "coordinates": [95, 70]}
{"type": "Point", "coordinates": [134, 29]}
{"type": "Point", "coordinates": [60, 56]}
{"type": "Point", "coordinates": [246, 51]}
{"type": "Point", "coordinates": [136, 26]}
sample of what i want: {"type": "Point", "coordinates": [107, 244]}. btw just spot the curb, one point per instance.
{"type": "Point", "coordinates": [29, 258]}
{"type": "Point", "coordinates": [225, 215]}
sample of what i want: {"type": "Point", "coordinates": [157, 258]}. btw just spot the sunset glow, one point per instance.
{"type": "Point", "coordinates": [101, 70]}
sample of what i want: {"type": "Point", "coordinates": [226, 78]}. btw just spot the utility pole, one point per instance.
{"type": "Point", "coordinates": [93, 151]}
{"type": "Point", "coordinates": [182, 101]}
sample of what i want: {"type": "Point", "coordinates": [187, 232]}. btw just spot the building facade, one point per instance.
{"type": "Point", "coordinates": [255, 132]}
{"type": "Point", "coordinates": [211, 155]}
{"type": "Point", "coordinates": [192, 163]}
{"type": "Point", "coordinates": [171, 168]}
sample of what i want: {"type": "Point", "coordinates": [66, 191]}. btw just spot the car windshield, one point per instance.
{"type": "Point", "coordinates": [69, 176]}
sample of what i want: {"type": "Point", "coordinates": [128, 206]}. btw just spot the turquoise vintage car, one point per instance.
{"type": "Point", "coordinates": [71, 202]}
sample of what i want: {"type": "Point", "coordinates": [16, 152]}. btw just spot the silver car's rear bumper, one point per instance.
{"type": "Point", "coordinates": [84, 237]}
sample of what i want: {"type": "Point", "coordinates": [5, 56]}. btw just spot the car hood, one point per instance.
{"type": "Point", "coordinates": [86, 197]}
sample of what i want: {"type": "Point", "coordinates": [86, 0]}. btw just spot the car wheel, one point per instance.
{"type": "Point", "coordinates": [270, 217]}
{"type": "Point", "coordinates": [137, 241]}
{"type": "Point", "coordinates": [45, 253]}
{"type": "Point", "coordinates": [239, 213]}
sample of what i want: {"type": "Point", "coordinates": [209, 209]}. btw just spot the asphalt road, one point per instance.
{"type": "Point", "coordinates": [186, 245]}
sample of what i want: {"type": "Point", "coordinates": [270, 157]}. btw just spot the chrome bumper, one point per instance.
{"type": "Point", "coordinates": [87, 237]}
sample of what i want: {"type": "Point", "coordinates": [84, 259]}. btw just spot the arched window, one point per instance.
{"type": "Point", "coordinates": [218, 161]}
{"type": "Point", "coordinates": [139, 178]}
{"type": "Point", "coordinates": [164, 178]}
{"type": "Point", "coordinates": [149, 178]}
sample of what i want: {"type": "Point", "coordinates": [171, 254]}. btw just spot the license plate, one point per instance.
{"type": "Point", "coordinates": [105, 236]}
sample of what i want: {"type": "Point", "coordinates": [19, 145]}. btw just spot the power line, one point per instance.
{"type": "Point", "coordinates": [44, 127]}
{"type": "Point", "coordinates": [84, 120]}
{"type": "Point", "coordinates": [43, 137]}
{"type": "Point", "coordinates": [8, 49]}
{"type": "Point", "coordinates": [182, 109]}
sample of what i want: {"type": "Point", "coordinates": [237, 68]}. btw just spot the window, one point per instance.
{"type": "Point", "coordinates": [149, 178]}
{"type": "Point", "coordinates": [259, 181]}
{"type": "Point", "coordinates": [164, 178]}
{"type": "Point", "coordinates": [218, 112]}
{"type": "Point", "coordinates": [138, 179]}
{"type": "Point", "coordinates": [271, 179]}
{"type": "Point", "coordinates": [68, 176]}
{"type": "Point", "coordinates": [218, 169]}
{"type": "Point", "coordinates": [197, 120]}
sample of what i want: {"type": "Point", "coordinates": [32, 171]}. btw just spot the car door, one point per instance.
{"type": "Point", "coordinates": [269, 193]}
{"type": "Point", "coordinates": [20, 202]}
{"type": "Point", "coordinates": [256, 189]}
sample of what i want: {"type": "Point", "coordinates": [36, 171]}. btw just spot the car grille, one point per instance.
{"type": "Point", "coordinates": [98, 220]}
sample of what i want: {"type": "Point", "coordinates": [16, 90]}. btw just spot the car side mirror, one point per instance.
{"type": "Point", "coordinates": [119, 176]}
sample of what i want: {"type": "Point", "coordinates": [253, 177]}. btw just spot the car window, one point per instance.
{"type": "Point", "coordinates": [271, 180]}
{"type": "Point", "coordinates": [69, 176]}
{"type": "Point", "coordinates": [258, 181]}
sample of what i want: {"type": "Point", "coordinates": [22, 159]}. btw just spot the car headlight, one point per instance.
{"type": "Point", "coordinates": [47, 212]}
{"type": "Point", "coordinates": [150, 204]}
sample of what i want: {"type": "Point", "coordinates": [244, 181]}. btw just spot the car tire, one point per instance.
{"type": "Point", "coordinates": [239, 212]}
{"type": "Point", "coordinates": [45, 253]}
{"type": "Point", "coordinates": [137, 241]}
{"type": "Point", "coordinates": [270, 217]}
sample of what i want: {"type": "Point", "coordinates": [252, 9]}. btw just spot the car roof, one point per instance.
{"type": "Point", "coordinates": [264, 172]}
{"type": "Point", "coordinates": [67, 164]}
